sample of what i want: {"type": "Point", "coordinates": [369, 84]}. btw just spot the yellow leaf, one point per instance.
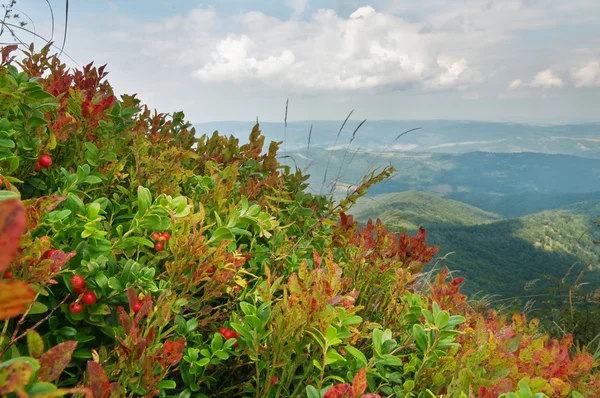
{"type": "Point", "coordinates": [15, 296]}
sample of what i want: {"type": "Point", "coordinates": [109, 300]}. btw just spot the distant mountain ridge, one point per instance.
{"type": "Point", "coordinates": [437, 136]}
{"type": "Point", "coordinates": [445, 174]}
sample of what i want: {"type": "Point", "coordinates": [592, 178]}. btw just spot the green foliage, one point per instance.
{"type": "Point", "coordinates": [161, 264]}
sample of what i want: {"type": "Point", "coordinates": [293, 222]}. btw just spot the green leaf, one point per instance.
{"type": "Point", "coordinates": [420, 337]}
{"type": "Point", "coordinates": [312, 392]}
{"type": "Point", "coordinates": [41, 388]}
{"type": "Point", "coordinates": [456, 320]}
{"type": "Point", "coordinates": [442, 319]}
{"type": "Point", "coordinates": [38, 308]}
{"type": "Point", "coordinates": [191, 325]}
{"type": "Point", "coordinates": [92, 180]}
{"type": "Point", "coordinates": [333, 356]}
{"type": "Point", "coordinates": [35, 344]}
{"type": "Point", "coordinates": [144, 200]}
{"type": "Point", "coordinates": [253, 321]}
{"type": "Point", "coordinates": [167, 385]}
{"type": "Point", "coordinates": [7, 143]}
{"type": "Point", "coordinates": [377, 339]}
{"type": "Point", "coordinates": [5, 195]}
{"type": "Point", "coordinates": [356, 353]}
{"type": "Point", "coordinates": [221, 234]}
{"type": "Point", "coordinates": [203, 362]}
{"type": "Point", "coordinates": [247, 308]}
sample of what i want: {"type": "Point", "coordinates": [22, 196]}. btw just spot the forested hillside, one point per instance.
{"type": "Point", "coordinates": [510, 257]}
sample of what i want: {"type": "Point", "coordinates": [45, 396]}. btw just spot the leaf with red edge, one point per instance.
{"type": "Point", "coordinates": [173, 352]}
{"type": "Point", "coordinates": [340, 391]}
{"type": "Point", "coordinates": [14, 378]}
{"type": "Point", "coordinates": [15, 296]}
{"type": "Point", "coordinates": [98, 381]}
{"type": "Point", "coordinates": [55, 360]}
{"type": "Point", "coordinates": [48, 268]}
{"type": "Point", "coordinates": [12, 226]}
{"type": "Point", "coordinates": [359, 384]}
{"type": "Point", "coordinates": [35, 208]}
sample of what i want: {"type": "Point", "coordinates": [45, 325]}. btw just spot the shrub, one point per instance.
{"type": "Point", "coordinates": [147, 262]}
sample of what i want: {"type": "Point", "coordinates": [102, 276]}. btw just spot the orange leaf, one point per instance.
{"type": "Point", "coordinates": [12, 226]}
{"type": "Point", "coordinates": [55, 360]}
{"type": "Point", "coordinates": [359, 384]}
{"type": "Point", "coordinates": [15, 296]}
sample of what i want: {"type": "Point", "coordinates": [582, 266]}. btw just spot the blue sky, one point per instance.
{"type": "Point", "coordinates": [500, 60]}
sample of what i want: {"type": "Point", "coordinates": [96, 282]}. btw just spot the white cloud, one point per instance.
{"type": "Point", "coordinates": [232, 61]}
{"type": "Point", "coordinates": [546, 79]}
{"type": "Point", "coordinates": [515, 84]}
{"type": "Point", "coordinates": [298, 7]}
{"type": "Point", "coordinates": [587, 75]}
{"type": "Point", "coordinates": [367, 50]}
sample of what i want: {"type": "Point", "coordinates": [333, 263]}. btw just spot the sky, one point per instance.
{"type": "Point", "coordinates": [535, 61]}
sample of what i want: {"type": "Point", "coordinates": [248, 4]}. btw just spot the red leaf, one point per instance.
{"type": "Point", "coordinates": [371, 396]}
{"type": "Point", "coordinates": [317, 259]}
{"type": "Point", "coordinates": [12, 226]}
{"type": "Point", "coordinates": [359, 384]}
{"type": "Point", "coordinates": [340, 391]}
{"type": "Point", "coordinates": [99, 383]}
{"type": "Point", "coordinates": [173, 352]}
{"type": "Point", "coordinates": [131, 297]}
{"type": "Point", "coordinates": [55, 360]}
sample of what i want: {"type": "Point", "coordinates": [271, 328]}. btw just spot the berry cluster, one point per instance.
{"type": "Point", "coordinates": [160, 239]}
{"type": "Point", "coordinates": [88, 297]}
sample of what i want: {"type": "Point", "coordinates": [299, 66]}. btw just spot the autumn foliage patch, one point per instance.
{"type": "Point", "coordinates": [140, 260]}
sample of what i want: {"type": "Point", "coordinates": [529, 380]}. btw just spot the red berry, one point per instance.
{"type": "Point", "coordinates": [78, 282]}
{"type": "Point", "coordinates": [228, 334]}
{"type": "Point", "coordinates": [45, 161]}
{"type": "Point", "coordinates": [89, 298]}
{"type": "Point", "coordinates": [8, 274]}
{"type": "Point", "coordinates": [80, 290]}
{"type": "Point", "coordinates": [137, 306]}
{"type": "Point", "coordinates": [76, 308]}
{"type": "Point", "coordinates": [223, 330]}
{"type": "Point", "coordinates": [91, 137]}
{"type": "Point", "coordinates": [38, 166]}
{"type": "Point", "coordinates": [156, 236]}
{"type": "Point", "coordinates": [236, 334]}
{"type": "Point", "coordinates": [274, 380]}
{"type": "Point", "coordinates": [159, 246]}
{"type": "Point", "coordinates": [166, 235]}
{"type": "Point", "coordinates": [210, 269]}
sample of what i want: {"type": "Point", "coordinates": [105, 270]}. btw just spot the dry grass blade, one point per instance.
{"type": "Point", "coordinates": [334, 145]}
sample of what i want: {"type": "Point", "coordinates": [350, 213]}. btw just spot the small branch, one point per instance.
{"type": "Point", "coordinates": [14, 338]}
